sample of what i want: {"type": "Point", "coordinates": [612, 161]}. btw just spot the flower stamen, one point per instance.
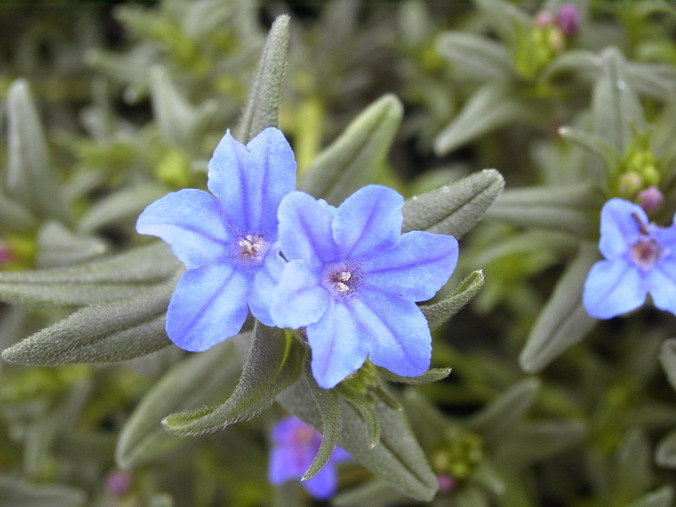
{"type": "Point", "coordinates": [252, 247]}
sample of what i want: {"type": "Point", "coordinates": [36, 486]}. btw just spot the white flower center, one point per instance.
{"type": "Point", "coordinates": [252, 247]}
{"type": "Point", "coordinates": [342, 279]}
{"type": "Point", "coordinates": [645, 253]}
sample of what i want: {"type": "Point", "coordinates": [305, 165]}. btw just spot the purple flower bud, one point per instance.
{"type": "Point", "coordinates": [568, 19]}
{"type": "Point", "coordinates": [651, 199]}
{"type": "Point", "coordinates": [446, 483]}
{"type": "Point", "coordinates": [5, 254]}
{"type": "Point", "coordinates": [544, 19]}
{"type": "Point", "coordinates": [118, 483]}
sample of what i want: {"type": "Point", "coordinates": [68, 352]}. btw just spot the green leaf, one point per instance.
{"type": "Point", "coordinates": [375, 493]}
{"type": "Point", "coordinates": [174, 115]}
{"type": "Point", "coordinates": [665, 455]}
{"type": "Point", "coordinates": [398, 459]}
{"type": "Point", "coordinates": [662, 497]}
{"type": "Point", "coordinates": [364, 405]}
{"type": "Point", "coordinates": [581, 62]}
{"type": "Point", "coordinates": [19, 493]}
{"type": "Point", "coordinates": [262, 105]}
{"type": "Point", "coordinates": [668, 360]}
{"type": "Point", "coordinates": [487, 476]}
{"type": "Point", "coordinates": [431, 375]}
{"type": "Point", "coordinates": [633, 473]}
{"type": "Point", "coordinates": [506, 19]}
{"type": "Point", "coordinates": [275, 361]}
{"type": "Point", "coordinates": [102, 333]}
{"type": "Point", "coordinates": [353, 158]}
{"type": "Point", "coordinates": [616, 109]}
{"type": "Point", "coordinates": [455, 208]}
{"type": "Point", "coordinates": [58, 246]}
{"type": "Point", "coordinates": [119, 276]}
{"type": "Point", "coordinates": [560, 208]}
{"type": "Point", "coordinates": [506, 410]}
{"type": "Point", "coordinates": [15, 217]}
{"type": "Point", "coordinates": [328, 403]}
{"type": "Point", "coordinates": [594, 144]}
{"type": "Point", "coordinates": [30, 178]}
{"type": "Point", "coordinates": [494, 105]}
{"type": "Point", "coordinates": [533, 442]}
{"type": "Point", "coordinates": [199, 379]}
{"type": "Point", "coordinates": [475, 56]}
{"type": "Point", "coordinates": [563, 321]}
{"type": "Point", "coordinates": [439, 313]}
{"type": "Point", "coordinates": [471, 496]}
{"type": "Point", "coordinates": [121, 205]}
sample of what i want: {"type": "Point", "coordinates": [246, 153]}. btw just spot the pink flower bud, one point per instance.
{"type": "Point", "coordinates": [650, 199]}
{"type": "Point", "coordinates": [446, 483]}
{"type": "Point", "coordinates": [543, 19]}
{"type": "Point", "coordinates": [118, 483]}
{"type": "Point", "coordinates": [568, 19]}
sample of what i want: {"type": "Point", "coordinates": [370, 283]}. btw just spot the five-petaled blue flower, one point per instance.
{"type": "Point", "coordinates": [227, 242]}
{"type": "Point", "coordinates": [295, 445]}
{"type": "Point", "coordinates": [353, 279]}
{"type": "Point", "coordinates": [640, 259]}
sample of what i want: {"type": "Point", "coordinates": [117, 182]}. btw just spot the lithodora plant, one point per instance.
{"type": "Point", "coordinates": [321, 284]}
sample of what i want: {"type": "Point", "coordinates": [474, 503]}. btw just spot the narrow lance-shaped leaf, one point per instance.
{"type": "Point", "coordinates": [275, 361]}
{"type": "Point", "coordinates": [15, 217]}
{"type": "Point", "coordinates": [398, 459]}
{"type": "Point", "coordinates": [431, 375]}
{"type": "Point", "coordinates": [560, 208]}
{"type": "Point", "coordinates": [328, 403]}
{"type": "Point", "coordinates": [455, 208]}
{"type": "Point", "coordinates": [668, 360]}
{"type": "Point", "coordinates": [439, 313]}
{"type": "Point", "coordinates": [662, 497]}
{"type": "Point", "coordinates": [262, 105]}
{"type": "Point", "coordinates": [58, 246]}
{"type": "Point", "coordinates": [475, 56]}
{"type": "Point", "coordinates": [30, 177]}
{"type": "Point", "coordinates": [563, 321]}
{"type": "Point", "coordinates": [665, 455]}
{"type": "Point", "coordinates": [594, 144]}
{"type": "Point", "coordinates": [174, 115]}
{"type": "Point", "coordinates": [201, 378]}
{"type": "Point", "coordinates": [19, 493]}
{"type": "Point", "coordinates": [633, 473]}
{"type": "Point", "coordinates": [352, 159]}
{"type": "Point", "coordinates": [103, 333]}
{"type": "Point", "coordinates": [119, 276]}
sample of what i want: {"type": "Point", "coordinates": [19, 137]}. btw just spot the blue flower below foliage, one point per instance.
{"type": "Point", "coordinates": [353, 279]}
{"type": "Point", "coordinates": [226, 240]}
{"type": "Point", "coordinates": [640, 259]}
{"type": "Point", "coordinates": [295, 445]}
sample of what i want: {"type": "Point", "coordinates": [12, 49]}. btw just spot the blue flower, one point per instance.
{"type": "Point", "coordinates": [353, 280]}
{"type": "Point", "coordinates": [227, 242]}
{"type": "Point", "coordinates": [295, 446]}
{"type": "Point", "coordinates": [640, 259]}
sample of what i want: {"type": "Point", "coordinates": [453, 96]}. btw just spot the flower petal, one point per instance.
{"type": "Point", "coordinates": [190, 221]}
{"type": "Point", "coordinates": [305, 228]}
{"type": "Point", "coordinates": [339, 346]}
{"type": "Point", "coordinates": [265, 280]}
{"type": "Point", "coordinates": [251, 180]}
{"type": "Point", "coordinates": [208, 306]}
{"type": "Point", "coordinates": [279, 470]}
{"type": "Point", "coordinates": [299, 299]}
{"type": "Point", "coordinates": [368, 220]}
{"type": "Point", "coordinates": [323, 485]}
{"type": "Point", "coordinates": [612, 288]}
{"type": "Point", "coordinates": [416, 267]}
{"type": "Point", "coordinates": [619, 228]}
{"type": "Point", "coordinates": [399, 336]}
{"type": "Point", "coordinates": [662, 284]}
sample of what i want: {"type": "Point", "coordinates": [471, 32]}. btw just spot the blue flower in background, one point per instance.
{"type": "Point", "coordinates": [640, 259]}
{"type": "Point", "coordinates": [295, 445]}
{"type": "Point", "coordinates": [353, 280]}
{"type": "Point", "coordinates": [227, 242]}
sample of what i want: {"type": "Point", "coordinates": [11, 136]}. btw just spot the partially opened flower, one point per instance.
{"type": "Point", "coordinates": [353, 280]}
{"type": "Point", "coordinates": [227, 242]}
{"type": "Point", "coordinates": [640, 259]}
{"type": "Point", "coordinates": [295, 445]}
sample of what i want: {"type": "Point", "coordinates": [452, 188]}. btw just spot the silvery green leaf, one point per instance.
{"type": "Point", "coordinates": [492, 106]}
{"type": "Point", "coordinates": [107, 332]}
{"type": "Point", "coordinates": [668, 360]}
{"type": "Point", "coordinates": [30, 177]}
{"type": "Point", "coordinates": [658, 81]}
{"type": "Point", "coordinates": [665, 455]}
{"type": "Point", "coordinates": [487, 476]}
{"type": "Point", "coordinates": [376, 493]}
{"type": "Point", "coordinates": [262, 104]}
{"type": "Point", "coordinates": [563, 321]}
{"type": "Point", "coordinates": [616, 109]}
{"type": "Point", "coordinates": [455, 208]}
{"type": "Point", "coordinates": [471, 496]}
{"type": "Point", "coordinates": [58, 246]}
{"type": "Point", "coordinates": [594, 144]}
{"type": "Point", "coordinates": [662, 497]}
{"type": "Point", "coordinates": [174, 115]}
{"type": "Point", "coordinates": [505, 18]}
{"type": "Point", "coordinates": [398, 459]}
{"type": "Point", "coordinates": [431, 375]}
{"type": "Point", "coordinates": [119, 276]}
{"type": "Point", "coordinates": [352, 159]}
{"type": "Point", "coordinates": [121, 205]}
{"type": "Point", "coordinates": [475, 56]}
{"type": "Point", "coordinates": [364, 406]}
{"type": "Point", "coordinates": [275, 361]}
{"type": "Point", "coordinates": [16, 492]}
{"type": "Point", "coordinates": [15, 217]}
{"type": "Point", "coordinates": [532, 442]}
{"type": "Point", "coordinates": [198, 379]}
{"type": "Point", "coordinates": [562, 208]}
{"type": "Point", "coordinates": [439, 313]}
{"type": "Point", "coordinates": [586, 63]}
{"type": "Point", "coordinates": [328, 403]}
{"type": "Point", "coordinates": [501, 414]}
{"type": "Point", "coordinates": [632, 466]}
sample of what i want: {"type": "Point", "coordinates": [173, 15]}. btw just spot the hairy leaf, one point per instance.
{"type": "Point", "coordinates": [439, 313]}
{"type": "Point", "coordinates": [668, 360]}
{"type": "Point", "coordinates": [662, 497]}
{"type": "Point", "coordinates": [19, 493]}
{"type": "Point", "coordinates": [431, 375]}
{"type": "Point", "coordinates": [475, 56]}
{"type": "Point", "coordinates": [665, 455]}
{"type": "Point", "coordinates": [455, 208]}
